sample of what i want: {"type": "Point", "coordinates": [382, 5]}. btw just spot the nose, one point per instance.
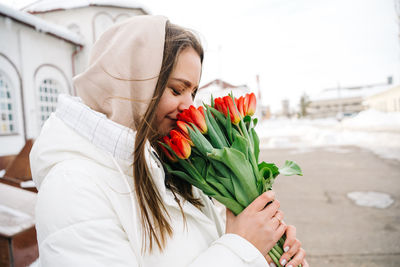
{"type": "Point", "coordinates": [185, 102]}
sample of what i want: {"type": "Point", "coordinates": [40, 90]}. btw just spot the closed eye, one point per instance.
{"type": "Point", "coordinates": [175, 92]}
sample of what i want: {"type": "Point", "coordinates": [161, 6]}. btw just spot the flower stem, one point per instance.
{"type": "Point", "coordinates": [274, 258]}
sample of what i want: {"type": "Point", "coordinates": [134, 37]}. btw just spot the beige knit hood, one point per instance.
{"type": "Point", "coordinates": [123, 70]}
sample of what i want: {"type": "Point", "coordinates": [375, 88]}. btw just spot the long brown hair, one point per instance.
{"type": "Point", "coordinates": [154, 216]}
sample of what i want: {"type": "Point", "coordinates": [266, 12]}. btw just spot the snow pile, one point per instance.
{"type": "Point", "coordinates": [374, 120]}
{"type": "Point", "coordinates": [379, 132]}
{"type": "Point", "coordinates": [41, 25]}
{"type": "Point", "coordinates": [371, 199]}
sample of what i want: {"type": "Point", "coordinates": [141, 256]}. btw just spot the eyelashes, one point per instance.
{"type": "Point", "coordinates": [177, 92]}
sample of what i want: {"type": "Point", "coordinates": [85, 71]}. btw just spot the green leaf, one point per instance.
{"type": "Point", "coordinates": [217, 168]}
{"type": "Point", "coordinates": [231, 204]}
{"type": "Point", "coordinates": [208, 190]}
{"type": "Point", "coordinates": [219, 115]}
{"type": "Point", "coordinates": [255, 122]}
{"type": "Point", "coordinates": [241, 144]}
{"type": "Point", "coordinates": [274, 169]}
{"type": "Point", "coordinates": [228, 126]}
{"type": "Point", "coordinates": [224, 175]}
{"type": "Point", "coordinates": [247, 118]}
{"type": "Point", "coordinates": [214, 181]}
{"type": "Point", "coordinates": [256, 143]}
{"type": "Point", "coordinates": [244, 179]}
{"type": "Point", "coordinates": [290, 168]}
{"type": "Point", "coordinates": [200, 165]}
{"type": "Point", "coordinates": [217, 138]}
{"type": "Point", "coordinates": [200, 142]}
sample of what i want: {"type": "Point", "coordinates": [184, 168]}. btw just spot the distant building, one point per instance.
{"type": "Point", "coordinates": [342, 101]}
{"type": "Point", "coordinates": [39, 55]}
{"type": "Point", "coordinates": [285, 108]}
{"type": "Point", "coordinates": [386, 101]}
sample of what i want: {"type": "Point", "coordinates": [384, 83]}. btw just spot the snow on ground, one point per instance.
{"type": "Point", "coordinates": [371, 199]}
{"type": "Point", "coordinates": [370, 129]}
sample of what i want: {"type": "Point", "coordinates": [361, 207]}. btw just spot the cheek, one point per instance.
{"type": "Point", "coordinates": [164, 108]}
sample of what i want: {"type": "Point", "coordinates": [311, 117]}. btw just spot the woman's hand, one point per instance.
{"type": "Point", "coordinates": [259, 224]}
{"type": "Point", "coordinates": [293, 249]}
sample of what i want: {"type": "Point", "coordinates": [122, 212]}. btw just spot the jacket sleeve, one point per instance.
{"type": "Point", "coordinates": [76, 225]}
{"type": "Point", "coordinates": [230, 250]}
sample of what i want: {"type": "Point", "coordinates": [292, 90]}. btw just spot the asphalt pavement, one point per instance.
{"type": "Point", "coordinates": [332, 228]}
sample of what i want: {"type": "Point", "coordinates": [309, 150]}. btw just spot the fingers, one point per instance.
{"type": "Point", "coordinates": [279, 232]}
{"type": "Point", "coordinates": [268, 259]}
{"type": "Point", "coordinates": [290, 237]}
{"type": "Point", "coordinates": [277, 219]}
{"type": "Point", "coordinates": [260, 202]}
{"type": "Point", "coordinates": [272, 209]}
{"type": "Point", "coordinates": [293, 251]}
{"type": "Point", "coordinates": [297, 259]}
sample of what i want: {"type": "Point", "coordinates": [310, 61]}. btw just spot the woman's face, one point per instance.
{"type": "Point", "coordinates": [181, 89]}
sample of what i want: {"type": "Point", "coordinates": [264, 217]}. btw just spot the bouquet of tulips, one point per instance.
{"type": "Point", "coordinates": [216, 149]}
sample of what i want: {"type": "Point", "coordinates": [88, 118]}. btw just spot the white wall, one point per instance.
{"type": "Point", "coordinates": [36, 56]}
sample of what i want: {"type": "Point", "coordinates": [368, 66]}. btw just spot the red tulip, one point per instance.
{"type": "Point", "coordinates": [179, 134]}
{"type": "Point", "coordinates": [239, 103]}
{"type": "Point", "coordinates": [219, 105]}
{"type": "Point", "coordinates": [192, 115]}
{"type": "Point", "coordinates": [167, 141]}
{"type": "Point", "coordinates": [201, 109]}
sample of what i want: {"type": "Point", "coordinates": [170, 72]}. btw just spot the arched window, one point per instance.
{"type": "Point", "coordinates": [7, 106]}
{"type": "Point", "coordinates": [48, 94]}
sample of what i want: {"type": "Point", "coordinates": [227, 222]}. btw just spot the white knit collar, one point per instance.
{"type": "Point", "coordinates": [96, 127]}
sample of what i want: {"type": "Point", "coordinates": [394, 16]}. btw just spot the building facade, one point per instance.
{"type": "Point", "coordinates": [386, 101]}
{"type": "Point", "coordinates": [40, 53]}
{"type": "Point", "coordinates": [343, 101]}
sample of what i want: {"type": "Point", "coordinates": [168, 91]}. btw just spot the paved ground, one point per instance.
{"type": "Point", "coordinates": [334, 230]}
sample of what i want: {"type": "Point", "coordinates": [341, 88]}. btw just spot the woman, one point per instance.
{"type": "Point", "coordinates": [103, 198]}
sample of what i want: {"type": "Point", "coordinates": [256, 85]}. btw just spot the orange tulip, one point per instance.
{"type": "Point", "coordinates": [181, 147]}
{"type": "Point", "coordinates": [235, 118]}
{"type": "Point", "coordinates": [250, 104]}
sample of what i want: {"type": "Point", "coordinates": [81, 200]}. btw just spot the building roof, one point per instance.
{"type": "Point", "coordinates": [220, 83]}
{"type": "Point", "coordinates": [349, 92]}
{"type": "Point", "coordinates": [43, 6]}
{"type": "Point", "coordinates": [41, 25]}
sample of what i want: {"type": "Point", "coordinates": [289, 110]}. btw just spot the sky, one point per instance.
{"type": "Point", "coordinates": [295, 47]}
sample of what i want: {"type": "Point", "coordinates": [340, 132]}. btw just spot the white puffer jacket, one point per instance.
{"type": "Point", "coordinates": [86, 213]}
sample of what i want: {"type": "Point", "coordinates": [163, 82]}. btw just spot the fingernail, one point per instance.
{"type": "Point", "coordinates": [286, 249]}
{"type": "Point", "coordinates": [283, 262]}
{"type": "Point", "coordinates": [272, 265]}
